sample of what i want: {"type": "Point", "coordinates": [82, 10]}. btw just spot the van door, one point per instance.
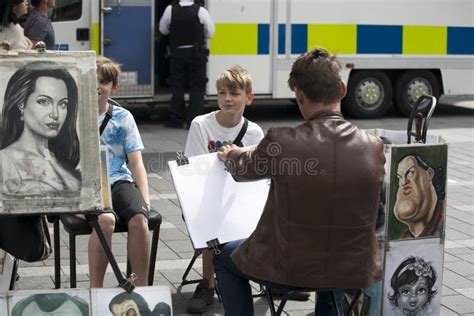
{"type": "Point", "coordinates": [71, 22]}
{"type": "Point", "coordinates": [127, 37]}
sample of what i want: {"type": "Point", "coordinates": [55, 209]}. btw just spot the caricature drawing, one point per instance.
{"type": "Point", "coordinates": [412, 287]}
{"type": "Point", "coordinates": [419, 201]}
{"type": "Point", "coordinates": [57, 304]}
{"type": "Point", "coordinates": [39, 142]}
{"type": "Point", "coordinates": [133, 304]}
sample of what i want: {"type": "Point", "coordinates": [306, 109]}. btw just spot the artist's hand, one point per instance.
{"type": "Point", "coordinates": [224, 150]}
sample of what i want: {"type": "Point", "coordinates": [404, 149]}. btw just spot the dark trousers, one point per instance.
{"type": "Point", "coordinates": [236, 293]}
{"type": "Point", "coordinates": [187, 72]}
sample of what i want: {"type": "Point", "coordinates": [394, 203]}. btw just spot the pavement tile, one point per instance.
{"type": "Point", "coordinates": [447, 312]}
{"type": "Point", "coordinates": [463, 268]}
{"type": "Point", "coordinates": [165, 253]}
{"type": "Point", "coordinates": [468, 256]}
{"type": "Point", "coordinates": [461, 251]}
{"type": "Point", "coordinates": [173, 234]}
{"type": "Point", "coordinates": [458, 303]}
{"type": "Point", "coordinates": [450, 258]}
{"type": "Point", "coordinates": [469, 293]}
{"type": "Point", "coordinates": [466, 242]}
{"type": "Point", "coordinates": [456, 281]}
{"type": "Point", "coordinates": [453, 234]}
{"type": "Point", "coordinates": [34, 283]}
{"type": "Point", "coordinates": [175, 275]}
{"type": "Point", "coordinates": [180, 245]}
{"type": "Point", "coordinates": [446, 291]}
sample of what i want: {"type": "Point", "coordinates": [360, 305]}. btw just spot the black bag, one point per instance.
{"type": "Point", "coordinates": [25, 237]}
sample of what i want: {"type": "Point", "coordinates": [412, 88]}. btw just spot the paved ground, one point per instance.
{"type": "Point", "coordinates": [175, 249]}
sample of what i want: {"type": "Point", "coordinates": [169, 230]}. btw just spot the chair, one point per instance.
{"type": "Point", "coordinates": [76, 226]}
{"type": "Point", "coordinates": [280, 307]}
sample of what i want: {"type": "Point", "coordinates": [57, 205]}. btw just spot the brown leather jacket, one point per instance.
{"type": "Point", "coordinates": [317, 229]}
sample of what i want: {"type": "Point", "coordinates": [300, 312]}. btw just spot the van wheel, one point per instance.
{"type": "Point", "coordinates": [369, 94]}
{"type": "Point", "coordinates": [413, 84]}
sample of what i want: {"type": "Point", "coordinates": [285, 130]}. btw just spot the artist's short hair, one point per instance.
{"type": "Point", "coordinates": [108, 69]}
{"type": "Point", "coordinates": [316, 74]}
{"type": "Point", "coordinates": [235, 78]}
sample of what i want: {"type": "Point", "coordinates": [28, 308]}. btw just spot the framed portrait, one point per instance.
{"type": "Point", "coordinates": [145, 300]}
{"type": "Point", "coordinates": [416, 201]}
{"type": "Point", "coordinates": [413, 277]}
{"type": "Point", "coordinates": [49, 149]}
{"type": "Point", "coordinates": [71, 302]}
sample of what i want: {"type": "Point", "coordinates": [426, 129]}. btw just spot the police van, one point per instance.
{"type": "Point", "coordinates": [392, 51]}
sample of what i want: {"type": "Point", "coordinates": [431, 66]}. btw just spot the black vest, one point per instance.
{"type": "Point", "coordinates": [185, 27]}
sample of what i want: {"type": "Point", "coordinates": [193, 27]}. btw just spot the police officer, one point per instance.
{"type": "Point", "coordinates": [189, 25]}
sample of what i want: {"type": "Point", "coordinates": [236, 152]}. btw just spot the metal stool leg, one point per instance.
{"type": "Point", "coordinates": [154, 250]}
{"type": "Point", "coordinates": [14, 277]}
{"type": "Point", "coordinates": [271, 305]}
{"type": "Point", "coordinates": [129, 268]}
{"type": "Point", "coordinates": [57, 255]}
{"type": "Point", "coordinates": [72, 260]}
{"type": "Point", "coordinates": [197, 253]}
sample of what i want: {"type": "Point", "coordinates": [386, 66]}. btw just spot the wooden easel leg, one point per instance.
{"type": "Point", "coordinates": [123, 282]}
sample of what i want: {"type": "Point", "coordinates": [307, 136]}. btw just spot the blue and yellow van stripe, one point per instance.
{"type": "Point", "coordinates": [95, 38]}
{"type": "Point", "coordinates": [345, 39]}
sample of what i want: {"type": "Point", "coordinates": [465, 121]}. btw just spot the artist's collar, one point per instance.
{"type": "Point", "coordinates": [325, 113]}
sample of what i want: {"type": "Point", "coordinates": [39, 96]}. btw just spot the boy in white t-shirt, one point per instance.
{"type": "Point", "coordinates": [207, 134]}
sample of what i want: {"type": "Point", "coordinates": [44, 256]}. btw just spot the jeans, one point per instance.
{"type": "Point", "coordinates": [236, 294]}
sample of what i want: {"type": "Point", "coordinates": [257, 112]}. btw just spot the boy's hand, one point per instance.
{"type": "Point", "coordinates": [224, 151]}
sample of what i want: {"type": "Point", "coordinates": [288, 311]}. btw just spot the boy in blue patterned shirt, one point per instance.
{"type": "Point", "coordinates": [128, 180]}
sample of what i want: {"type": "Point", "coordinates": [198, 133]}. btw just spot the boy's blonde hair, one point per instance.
{"type": "Point", "coordinates": [235, 78]}
{"type": "Point", "coordinates": [108, 69]}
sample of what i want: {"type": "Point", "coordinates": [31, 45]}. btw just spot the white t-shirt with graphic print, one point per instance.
{"type": "Point", "coordinates": [206, 135]}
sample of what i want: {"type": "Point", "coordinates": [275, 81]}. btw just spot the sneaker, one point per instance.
{"type": "Point", "coordinates": [202, 297]}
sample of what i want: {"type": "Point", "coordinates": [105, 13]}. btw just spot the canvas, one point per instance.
{"type": "Point", "coordinates": [147, 300]}
{"type": "Point", "coordinates": [413, 277]}
{"type": "Point", "coordinates": [49, 149]}
{"type": "Point", "coordinates": [216, 208]}
{"type": "Point", "coordinates": [71, 302]}
{"type": "Point", "coordinates": [417, 191]}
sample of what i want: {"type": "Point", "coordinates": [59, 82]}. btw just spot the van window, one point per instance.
{"type": "Point", "coordinates": [67, 10]}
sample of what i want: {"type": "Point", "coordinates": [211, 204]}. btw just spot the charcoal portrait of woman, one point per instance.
{"type": "Point", "coordinates": [39, 142]}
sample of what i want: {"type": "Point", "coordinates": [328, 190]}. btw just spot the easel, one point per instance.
{"type": "Point", "coordinates": [125, 283]}
{"type": "Point", "coordinates": [92, 217]}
